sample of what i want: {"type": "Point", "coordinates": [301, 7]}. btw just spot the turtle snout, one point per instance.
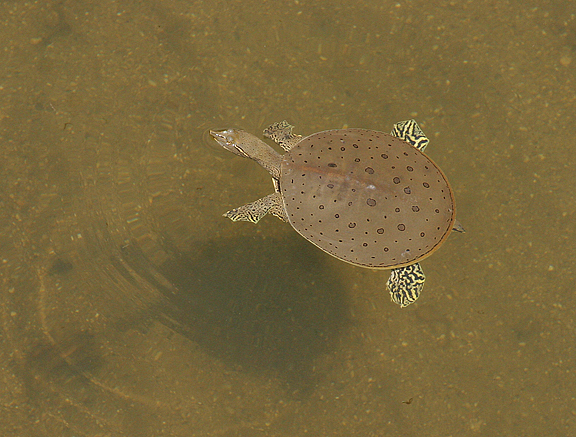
{"type": "Point", "coordinates": [223, 137]}
{"type": "Point", "coordinates": [227, 139]}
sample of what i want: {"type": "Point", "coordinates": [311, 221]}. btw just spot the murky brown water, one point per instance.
{"type": "Point", "coordinates": [130, 307]}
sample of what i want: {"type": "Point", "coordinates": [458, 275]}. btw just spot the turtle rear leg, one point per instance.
{"type": "Point", "coordinates": [254, 211]}
{"type": "Point", "coordinates": [410, 132]}
{"type": "Point", "coordinates": [405, 284]}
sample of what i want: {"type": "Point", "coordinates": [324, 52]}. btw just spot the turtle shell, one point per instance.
{"type": "Point", "coordinates": [366, 197]}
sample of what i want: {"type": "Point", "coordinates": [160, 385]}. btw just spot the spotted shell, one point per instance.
{"type": "Point", "coordinates": [366, 197]}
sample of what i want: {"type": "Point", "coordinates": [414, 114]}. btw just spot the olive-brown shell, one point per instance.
{"type": "Point", "coordinates": [366, 197]}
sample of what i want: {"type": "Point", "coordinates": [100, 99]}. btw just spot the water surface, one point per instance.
{"type": "Point", "coordinates": [129, 306]}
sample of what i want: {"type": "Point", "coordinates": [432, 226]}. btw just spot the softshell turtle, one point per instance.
{"type": "Point", "coordinates": [369, 198]}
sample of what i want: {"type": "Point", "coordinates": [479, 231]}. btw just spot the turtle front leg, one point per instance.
{"type": "Point", "coordinates": [281, 133]}
{"type": "Point", "coordinates": [254, 211]}
{"type": "Point", "coordinates": [405, 284]}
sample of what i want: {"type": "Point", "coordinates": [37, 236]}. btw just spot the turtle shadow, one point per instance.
{"type": "Point", "coordinates": [259, 304]}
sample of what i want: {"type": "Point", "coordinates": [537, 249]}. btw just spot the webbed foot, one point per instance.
{"type": "Point", "coordinates": [254, 211]}
{"type": "Point", "coordinates": [281, 133]}
{"type": "Point", "coordinates": [405, 284]}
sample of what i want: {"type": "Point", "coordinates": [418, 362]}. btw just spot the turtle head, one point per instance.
{"type": "Point", "coordinates": [247, 145]}
{"type": "Point", "coordinates": [231, 140]}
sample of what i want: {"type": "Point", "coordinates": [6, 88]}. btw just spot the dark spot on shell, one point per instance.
{"type": "Point", "coordinates": [370, 202]}
{"type": "Point", "coordinates": [436, 210]}
{"type": "Point", "coordinates": [380, 230]}
{"type": "Point", "coordinates": [422, 234]}
{"type": "Point", "coordinates": [337, 215]}
{"type": "Point", "coordinates": [332, 165]}
{"type": "Point", "coordinates": [349, 203]}
{"type": "Point", "coordinates": [396, 180]}
{"type": "Point", "coordinates": [355, 146]}
{"type": "Point", "coordinates": [330, 185]}
{"type": "Point", "coordinates": [343, 148]}
{"type": "Point", "coordinates": [357, 160]}
{"type": "Point", "coordinates": [369, 170]}
{"type": "Point", "coordinates": [386, 249]}
{"type": "Point", "coordinates": [364, 244]}
{"type": "Point", "coordinates": [351, 225]}
{"type": "Point", "coordinates": [321, 207]}
{"type": "Point", "coordinates": [426, 185]}
{"type": "Point", "coordinates": [384, 156]}
{"type": "Point", "coordinates": [407, 190]}
{"type": "Point", "coordinates": [409, 168]}
{"type": "Point", "coordinates": [415, 208]}
{"type": "Point", "coordinates": [401, 227]}
{"type": "Point", "coordinates": [397, 209]}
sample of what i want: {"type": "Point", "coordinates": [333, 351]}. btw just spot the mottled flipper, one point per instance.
{"type": "Point", "coordinates": [405, 284]}
{"type": "Point", "coordinates": [410, 132]}
{"type": "Point", "coordinates": [281, 133]}
{"type": "Point", "coordinates": [254, 211]}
